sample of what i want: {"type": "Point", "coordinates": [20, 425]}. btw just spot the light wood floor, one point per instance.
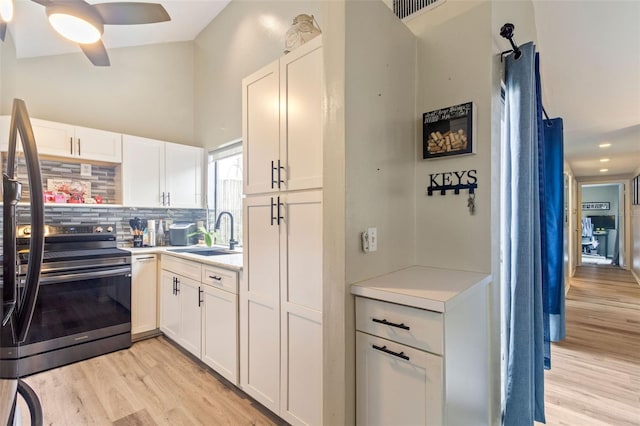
{"type": "Point", "coordinates": [152, 383]}
{"type": "Point", "coordinates": [595, 373]}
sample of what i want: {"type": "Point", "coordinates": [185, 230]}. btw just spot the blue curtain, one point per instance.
{"type": "Point", "coordinates": [552, 213]}
{"type": "Point", "coordinates": [522, 255]}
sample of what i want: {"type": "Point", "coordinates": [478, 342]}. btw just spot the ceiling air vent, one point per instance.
{"type": "Point", "coordinates": [407, 9]}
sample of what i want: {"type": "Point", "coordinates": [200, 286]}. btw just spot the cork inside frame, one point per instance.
{"type": "Point", "coordinates": [446, 132]}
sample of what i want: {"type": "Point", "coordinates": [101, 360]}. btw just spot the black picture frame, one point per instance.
{"type": "Point", "coordinates": [448, 131]}
{"type": "Point", "coordinates": [596, 205]}
{"type": "Point", "coordinates": [635, 191]}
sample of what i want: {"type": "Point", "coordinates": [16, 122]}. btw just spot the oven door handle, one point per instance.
{"type": "Point", "coordinates": [61, 278]}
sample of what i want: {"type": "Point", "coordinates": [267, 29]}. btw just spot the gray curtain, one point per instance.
{"type": "Point", "coordinates": [522, 267]}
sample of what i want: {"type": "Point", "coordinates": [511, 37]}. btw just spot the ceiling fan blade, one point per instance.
{"type": "Point", "coordinates": [42, 2]}
{"type": "Point", "coordinates": [3, 30]}
{"type": "Point", "coordinates": [126, 13]}
{"type": "Point", "coordinates": [96, 53]}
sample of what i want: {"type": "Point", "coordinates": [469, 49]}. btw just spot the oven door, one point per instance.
{"type": "Point", "coordinates": [79, 306]}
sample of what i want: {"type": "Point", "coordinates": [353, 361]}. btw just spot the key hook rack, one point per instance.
{"type": "Point", "coordinates": [455, 188]}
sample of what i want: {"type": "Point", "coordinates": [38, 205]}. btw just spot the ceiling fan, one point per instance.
{"type": "Point", "coordinates": [84, 23]}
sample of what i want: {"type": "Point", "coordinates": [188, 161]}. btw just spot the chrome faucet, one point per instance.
{"type": "Point", "coordinates": [232, 242]}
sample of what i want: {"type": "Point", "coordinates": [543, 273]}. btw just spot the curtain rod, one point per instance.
{"type": "Point", "coordinates": [507, 32]}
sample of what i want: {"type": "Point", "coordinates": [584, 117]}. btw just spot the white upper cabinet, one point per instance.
{"type": "Point", "coordinates": [260, 92]}
{"type": "Point", "coordinates": [183, 175]}
{"type": "Point", "coordinates": [161, 174]}
{"type": "Point", "coordinates": [65, 140]}
{"type": "Point", "coordinates": [301, 117]}
{"type": "Point", "coordinates": [282, 123]}
{"type": "Point", "coordinates": [142, 171]}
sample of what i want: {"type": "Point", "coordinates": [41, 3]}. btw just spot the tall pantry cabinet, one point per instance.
{"type": "Point", "coordinates": [281, 294]}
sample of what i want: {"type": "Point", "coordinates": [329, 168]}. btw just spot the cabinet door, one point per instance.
{"type": "Point", "coordinates": [301, 116]}
{"type": "Point", "coordinates": [183, 175]}
{"type": "Point", "coordinates": [143, 293]}
{"type": "Point", "coordinates": [53, 138]}
{"type": "Point", "coordinates": [301, 307]}
{"type": "Point", "coordinates": [142, 171]}
{"type": "Point", "coordinates": [260, 303]}
{"type": "Point", "coordinates": [190, 322]}
{"type": "Point", "coordinates": [404, 388]}
{"type": "Point", "coordinates": [169, 306]}
{"type": "Point", "coordinates": [100, 145]}
{"type": "Point", "coordinates": [220, 332]}
{"type": "Point", "coordinates": [260, 130]}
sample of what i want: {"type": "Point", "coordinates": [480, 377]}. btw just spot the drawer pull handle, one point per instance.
{"type": "Point", "coordinates": [392, 324]}
{"type": "Point", "coordinates": [214, 277]}
{"type": "Point", "coordinates": [387, 351]}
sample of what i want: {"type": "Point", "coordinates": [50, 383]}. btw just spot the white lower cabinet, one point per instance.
{"type": "Point", "coordinates": [190, 311]}
{"type": "Point", "coordinates": [281, 304]}
{"type": "Point", "coordinates": [422, 352]}
{"type": "Point", "coordinates": [143, 293]}
{"type": "Point", "coordinates": [169, 306]}
{"type": "Point", "coordinates": [220, 332]}
{"type": "Point", "coordinates": [201, 315]}
{"type": "Point", "coordinates": [397, 384]}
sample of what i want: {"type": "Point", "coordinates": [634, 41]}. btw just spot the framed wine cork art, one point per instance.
{"type": "Point", "coordinates": [448, 131]}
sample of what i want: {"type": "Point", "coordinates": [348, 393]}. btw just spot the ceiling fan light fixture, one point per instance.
{"type": "Point", "coordinates": [6, 10]}
{"type": "Point", "coordinates": [76, 22]}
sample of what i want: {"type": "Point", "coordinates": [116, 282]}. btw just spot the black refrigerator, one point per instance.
{"type": "Point", "coordinates": [18, 296]}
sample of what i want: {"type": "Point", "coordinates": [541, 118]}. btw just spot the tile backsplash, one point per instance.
{"type": "Point", "coordinates": [104, 179]}
{"type": "Point", "coordinates": [86, 215]}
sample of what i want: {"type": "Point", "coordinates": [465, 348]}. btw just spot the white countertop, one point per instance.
{"type": "Point", "coordinates": [228, 261]}
{"type": "Point", "coordinates": [422, 287]}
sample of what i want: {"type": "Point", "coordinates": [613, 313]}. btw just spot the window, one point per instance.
{"type": "Point", "coordinates": [225, 190]}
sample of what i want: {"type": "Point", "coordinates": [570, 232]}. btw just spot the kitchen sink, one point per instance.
{"type": "Point", "coordinates": [204, 251]}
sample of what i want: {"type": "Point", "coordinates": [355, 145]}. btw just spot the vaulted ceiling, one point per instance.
{"type": "Point", "coordinates": [590, 62]}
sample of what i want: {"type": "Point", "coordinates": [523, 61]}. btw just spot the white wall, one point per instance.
{"type": "Point", "coordinates": [380, 139]}
{"type": "Point", "coordinates": [244, 37]}
{"type": "Point", "coordinates": [454, 62]}
{"type": "Point", "coordinates": [147, 91]}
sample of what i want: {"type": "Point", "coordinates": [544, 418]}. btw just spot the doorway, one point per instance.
{"type": "Point", "coordinates": [602, 224]}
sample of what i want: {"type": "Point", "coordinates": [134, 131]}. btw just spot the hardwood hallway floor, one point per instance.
{"type": "Point", "coordinates": [152, 383]}
{"type": "Point", "coordinates": [595, 373]}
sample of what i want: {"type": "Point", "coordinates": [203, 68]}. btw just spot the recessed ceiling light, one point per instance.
{"type": "Point", "coordinates": [604, 145]}
{"type": "Point", "coordinates": [605, 160]}
{"type": "Point", "coordinates": [604, 170]}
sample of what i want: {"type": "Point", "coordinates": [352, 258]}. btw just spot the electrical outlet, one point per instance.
{"type": "Point", "coordinates": [373, 239]}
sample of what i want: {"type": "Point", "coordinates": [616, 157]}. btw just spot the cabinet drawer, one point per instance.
{"type": "Point", "coordinates": [220, 278]}
{"type": "Point", "coordinates": [414, 327]}
{"type": "Point", "coordinates": [182, 267]}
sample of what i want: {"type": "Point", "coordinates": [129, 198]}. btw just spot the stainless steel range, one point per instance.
{"type": "Point", "coordinates": [83, 307]}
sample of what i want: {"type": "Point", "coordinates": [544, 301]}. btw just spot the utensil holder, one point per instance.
{"type": "Point", "coordinates": [137, 240]}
